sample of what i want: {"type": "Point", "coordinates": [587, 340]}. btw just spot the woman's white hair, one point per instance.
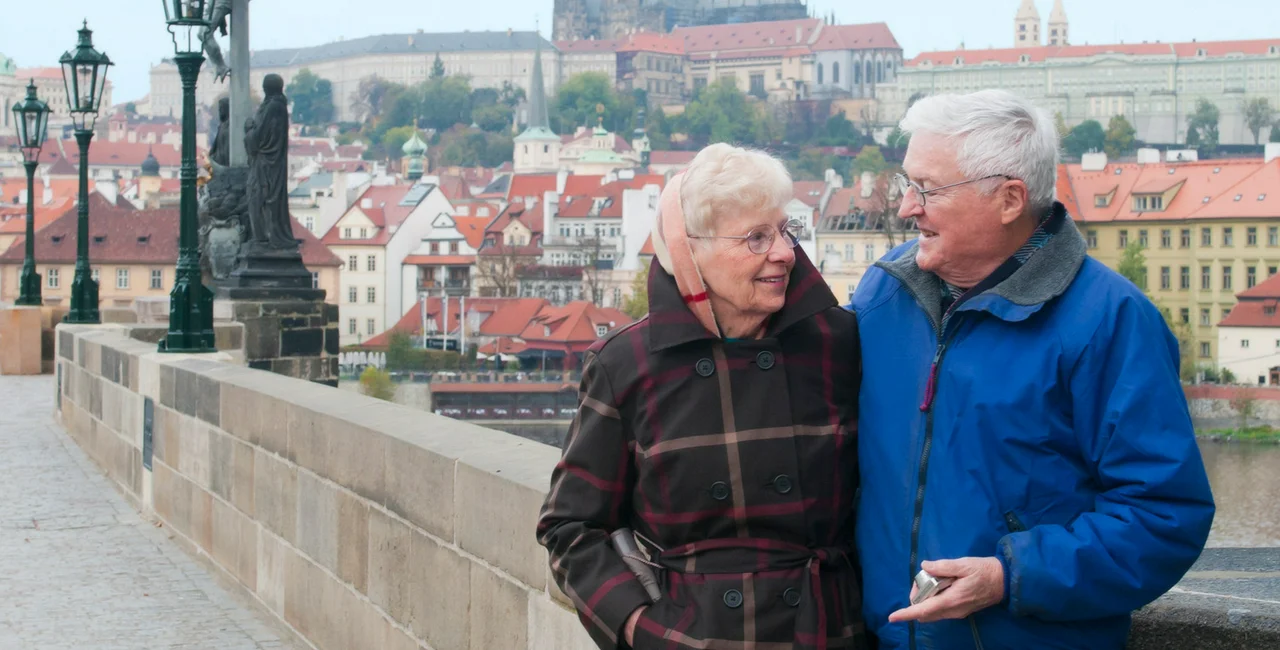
{"type": "Point", "coordinates": [724, 179]}
{"type": "Point", "coordinates": [996, 132]}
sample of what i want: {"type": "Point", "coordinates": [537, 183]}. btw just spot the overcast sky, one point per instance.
{"type": "Point", "coordinates": [132, 32]}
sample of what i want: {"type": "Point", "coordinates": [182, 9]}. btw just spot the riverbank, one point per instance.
{"type": "Point", "coordinates": [1262, 434]}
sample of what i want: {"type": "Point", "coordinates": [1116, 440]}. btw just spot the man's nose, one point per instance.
{"type": "Point", "coordinates": [911, 205]}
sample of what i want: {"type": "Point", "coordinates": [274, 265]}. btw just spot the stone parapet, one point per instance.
{"type": "Point", "coordinates": [362, 524]}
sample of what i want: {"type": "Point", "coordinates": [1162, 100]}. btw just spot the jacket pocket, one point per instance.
{"type": "Point", "coordinates": [1013, 522]}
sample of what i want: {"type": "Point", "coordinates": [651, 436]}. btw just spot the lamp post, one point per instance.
{"type": "Point", "coordinates": [31, 118]}
{"type": "Point", "coordinates": [84, 73]}
{"type": "Point", "coordinates": [190, 302]}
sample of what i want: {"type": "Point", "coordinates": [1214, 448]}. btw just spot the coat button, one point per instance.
{"type": "Point", "coordinates": [733, 599]}
{"type": "Point", "coordinates": [764, 360]}
{"type": "Point", "coordinates": [719, 491]}
{"type": "Point", "coordinates": [791, 597]}
{"type": "Point", "coordinates": [705, 367]}
{"type": "Point", "coordinates": [782, 483]}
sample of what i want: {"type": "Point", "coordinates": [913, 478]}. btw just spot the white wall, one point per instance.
{"type": "Point", "coordinates": [1248, 364]}
{"type": "Point", "coordinates": [407, 238]}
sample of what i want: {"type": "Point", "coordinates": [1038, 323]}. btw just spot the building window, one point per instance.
{"type": "Point", "coordinates": [453, 248]}
{"type": "Point", "coordinates": [1273, 236]}
{"type": "Point", "coordinates": [1204, 316]}
{"type": "Point", "coordinates": [835, 72]}
{"type": "Point", "coordinates": [1206, 236]}
{"type": "Point", "coordinates": [309, 223]}
{"type": "Point", "coordinates": [1244, 344]}
{"type": "Point", "coordinates": [351, 326]}
{"type": "Point", "coordinates": [1227, 238]}
{"type": "Point", "coordinates": [364, 233]}
{"type": "Point", "coordinates": [371, 326]}
{"type": "Point", "coordinates": [1226, 311]}
{"type": "Point", "coordinates": [315, 280]}
{"type": "Point", "coordinates": [1186, 238]}
{"type": "Point", "coordinates": [1164, 278]}
{"type": "Point", "coordinates": [1226, 277]}
{"type": "Point", "coordinates": [1204, 350]}
{"type": "Point", "coordinates": [371, 264]}
{"type": "Point", "coordinates": [1251, 236]}
{"type": "Point", "coordinates": [51, 278]}
{"type": "Point", "coordinates": [820, 76]}
{"type": "Point", "coordinates": [1091, 237]}
{"type": "Point", "coordinates": [157, 279]}
{"type": "Point", "coordinates": [1124, 239]}
{"type": "Point", "coordinates": [1251, 277]}
{"type": "Point", "coordinates": [1184, 279]}
{"type": "Point", "coordinates": [372, 295]}
{"type": "Point", "coordinates": [1271, 270]}
{"type": "Point", "coordinates": [346, 233]}
{"type": "Point", "coordinates": [869, 255]}
{"type": "Point", "coordinates": [601, 330]}
{"type": "Point", "coordinates": [1185, 314]}
{"type": "Point", "coordinates": [1166, 238]}
{"type": "Point", "coordinates": [351, 295]}
{"type": "Point", "coordinates": [96, 274]}
{"type": "Point", "coordinates": [353, 263]}
{"type": "Point", "coordinates": [1142, 238]}
{"type": "Point", "coordinates": [848, 252]}
{"type": "Point", "coordinates": [1206, 278]}
{"type": "Point", "coordinates": [122, 278]}
{"type": "Point", "coordinates": [757, 85]}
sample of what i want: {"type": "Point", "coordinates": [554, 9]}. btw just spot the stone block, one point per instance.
{"type": "Point", "coordinates": [554, 627]}
{"type": "Point", "coordinates": [272, 556]}
{"type": "Point", "coordinates": [227, 524]}
{"type": "Point", "coordinates": [193, 454]}
{"type": "Point", "coordinates": [20, 341]}
{"type": "Point", "coordinates": [165, 437]}
{"type": "Point", "coordinates": [186, 392]}
{"type": "Point", "coordinates": [295, 322]}
{"type": "Point", "coordinates": [228, 336]}
{"type": "Point", "coordinates": [261, 338]}
{"type": "Point", "coordinates": [301, 343]}
{"type": "Point", "coordinates": [221, 464]}
{"type": "Point", "coordinates": [390, 546]}
{"type": "Point", "coordinates": [262, 364]}
{"type": "Point", "coordinates": [303, 595]}
{"type": "Point", "coordinates": [498, 496]}
{"type": "Point", "coordinates": [330, 313]}
{"type": "Point", "coordinates": [95, 395]}
{"type": "Point", "coordinates": [246, 569]}
{"type": "Point", "coordinates": [168, 388]}
{"type": "Point", "coordinates": [357, 459]}
{"type": "Point", "coordinates": [286, 367]}
{"type": "Point", "coordinates": [317, 525]}
{"type": "Point", "coordinates": [420, 487]}
{"type": "Point", "coordinates": [439, 594]}
{"type": "Point", "coordinates": [292, 308]}
{"type": "Point", "coordinates": [395, 638]}
{"type": "Point", "coordinates": [210, 400]}
{"type": "Point", "coordinates": [242, 477]}
{"type": "Point", "coordinates": [275, 494]}
{"type": "Point", "coordinates": [499, 616]}
{"type": "Point", "coordinates": [110, 404]}
{"type": "Point", "coordinates": [162, 492]}
{"type": "Point", "coordinates": [353, 540]}
{"type": "Point", "coordinates": [202, 518]}
{"type": "Point", "coordinates": [331, 338]}
{"type": "Point", "coordinates": [308, 444]}
{"type": "Point", "coordinates": [67, 345]}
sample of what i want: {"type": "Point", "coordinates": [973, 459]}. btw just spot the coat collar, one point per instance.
{"type": "Point", "coordinates": [671, 323]}
{"type": "Point", "coordinates": [1045, 276]}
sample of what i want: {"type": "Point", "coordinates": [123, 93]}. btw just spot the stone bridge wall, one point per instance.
{"type": "Point", "coordinates": [363, 524]}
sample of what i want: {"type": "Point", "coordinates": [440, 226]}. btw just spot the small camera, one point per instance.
{"type": "Point", "coordinates": [928, 586]}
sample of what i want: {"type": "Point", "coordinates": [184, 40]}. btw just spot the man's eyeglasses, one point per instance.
{"type": "Point", "coordinates": [906, 185]}
{"type": "Point", "coordinates": [760, 239]}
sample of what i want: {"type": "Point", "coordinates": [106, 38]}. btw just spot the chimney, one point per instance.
{"type": "Point", "coordinates": [1269, 154]}
{"type": "Point", "coordinates": [1093, 162]}
{"type": "Point", "coordinates": [366, 204]}
{"type": "Point", "coordinates": [562, 177]}
{"type": "Point", "coordinates": [1148, 156]}
{"type": "Point", "coordinates": [46, 197]}
{"type": "Point", "coordinates": [107, 189]}
{"type": "Point", "coordinates": [550, 210]}
{"type": "Point", "coordinates": [868, 184]}
{"type": "Point", "coordinates": [832, 179]}
{"type": "Point", "coordinates": [799, 34]}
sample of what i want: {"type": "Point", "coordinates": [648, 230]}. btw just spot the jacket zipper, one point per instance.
{"type": "Point", "coordinates": [931, 391]}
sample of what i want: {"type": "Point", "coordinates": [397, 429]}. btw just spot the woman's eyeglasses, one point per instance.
{"type": "Point", "coordinates": [760, 239]}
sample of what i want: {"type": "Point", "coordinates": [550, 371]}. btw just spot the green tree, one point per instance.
{"type": "Point", "coordinates": [312, 98]}
{"type": "Point", "coordinates": [1119, 140]}
{"type": "Point", "coordinates": [1258, 115]}
{"type": "Point", "coordinates": [444, 102]}
{"type": "Point", "coordinates": [581, 95]}
{"type": "Point", "coordinates": [393, 140]}
{"type": "Point", "coordinates": [131, 108]}
{"type": "Point", "coordinates": [511, 95]}
{"type": "Point", "coordinates": [812, 165]}
{"type": "Point", "coordinates": [1060, 124]}
{"type": "Point", "coordinates": [897, 140]}
{"type": "Point", "coordinates": [1202, 128]}
{"type": "Point", "coordinates": [1182, 332]}
{"type": "Point", "coordinates": [1275, 132]}
{"type": "Point", "coordinates": [637, 304]}
{"type": "Point", "coordinates": [839, 132]}
{"type": "Point", "coordinates": [371, 97]}
{"type": "Point", "coordinates": [658, 128]}
{"type": "Point", "coordinates": [1085, 137]}
{"type": "Point", "coordinates": [870, 159]}
{"type": "Point", "coordinates": [377, 384]}
{"type": "Point", "coordinates": [1133, 264]}
{"type": "Point", "coordinates": [437, 68]}
{"type": "Point", "coordinates": [722, 113]}
{"type": "Point", "coordinates": [495, 118]}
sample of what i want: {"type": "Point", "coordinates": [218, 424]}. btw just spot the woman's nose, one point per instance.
{"type": "Point", "coordinates": [781, 251]}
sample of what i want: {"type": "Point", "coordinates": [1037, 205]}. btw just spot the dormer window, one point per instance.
{"type": "Point", "coordinates": [601, 330]}
{"type": "Point", "coordinates": [346, 233]}
{"type": "Point", "coordinates": [1269, 310]}
{"type": "Point", "coordinates": [1171, 171]}
{"type": "Point", "coordinates": [1239, 196]}
{"type": "Point", "coordinates": [1200, 52]}
{"type": "Point", "coordinates": [1148, 202]}
{"type": "Point", "coordinates": [1274, 49]}
{"type": "Point", "coordinates": [959, 61]}
{"type": "Point", "coordinates": [1206, 200]}
{"type": "Point", "coordinates": [1262, 197]}
{"type": "Point", "coordinates": [1217, 169]}
{"type": "Point", "coordinates": [1024, 59]}
{"type": "Point", "coordinates": [546, 330]}
{"type": "Point", "coordinates": [1119, 171]}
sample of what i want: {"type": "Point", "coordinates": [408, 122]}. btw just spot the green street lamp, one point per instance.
{"type": "Point", "coordinates": [31, 118]}
{"type": "Point", "coordinates": [190, 302]}
{"type": "Point", "coordinates": [84, 73]}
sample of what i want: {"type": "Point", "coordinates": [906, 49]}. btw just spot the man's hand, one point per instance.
{"type": "Point", "coordinates": [629, 630]}
{"type": "Point", "coordinates": [979, 584]}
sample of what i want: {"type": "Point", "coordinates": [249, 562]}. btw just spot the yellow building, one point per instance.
{"type": "Point", "coordinates": [1209, 229]}
{"type": "Point", "coordinates": [858, 227]}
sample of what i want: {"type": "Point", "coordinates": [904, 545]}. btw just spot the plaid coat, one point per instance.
{"type": "Point", "coordinates": [735, 461]}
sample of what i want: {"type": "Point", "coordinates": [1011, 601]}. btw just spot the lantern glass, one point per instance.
{"type": "Point", "coordinates": [187, 20]}
{"type": "Point", "coordinates": [84, 74]}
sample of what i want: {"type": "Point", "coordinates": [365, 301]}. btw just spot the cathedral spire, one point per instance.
{"type": "Point", "coordinates": [537, 91]}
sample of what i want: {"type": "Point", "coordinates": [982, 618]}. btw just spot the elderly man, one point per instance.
{"type": "Point", "coordinates": [1022, 428]}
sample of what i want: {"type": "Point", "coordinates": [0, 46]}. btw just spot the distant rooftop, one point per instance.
{"type": "Point", "coordinates": [419, 43]}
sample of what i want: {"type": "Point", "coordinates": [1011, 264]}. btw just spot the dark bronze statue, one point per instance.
{"type": "Point", "coordinates": [266, 141]}
{"type": "Point", "coordinates": [219, 150]}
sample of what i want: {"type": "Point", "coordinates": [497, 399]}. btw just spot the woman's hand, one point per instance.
{"type": "Point", "coordinates": [629, 630]}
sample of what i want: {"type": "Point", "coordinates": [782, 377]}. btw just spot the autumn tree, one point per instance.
{"type": "Point", "coordinates": [1133, 265]}
{"type": "Point", "coordinates": [1120, 138]}
{"type": "Point", "coordinates": [377, 384]}
{"type": "Point", "coordinates": [637, 304]}
{"type": "Point", "coordinates": [1258, 115]}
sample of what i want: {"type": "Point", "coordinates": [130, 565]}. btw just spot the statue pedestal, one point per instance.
{"type": "Point", "coordinates": [290, 332]}
{"type": "Point", "coordinates": [264, 268]}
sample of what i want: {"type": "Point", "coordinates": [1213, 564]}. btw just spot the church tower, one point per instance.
{"type": "Point", "coordinates": [1026, 25]}
{"type": "Point", "coordinates": [538, 148]}
{"type": "Point", "coordinates": [1058, 25]}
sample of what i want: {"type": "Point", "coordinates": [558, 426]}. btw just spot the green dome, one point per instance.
{"type": "Point", "coordinates": [415, 146]}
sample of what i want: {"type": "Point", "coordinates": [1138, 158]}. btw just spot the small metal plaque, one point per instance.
{"type": "Point", "coordinates": [148, 426]}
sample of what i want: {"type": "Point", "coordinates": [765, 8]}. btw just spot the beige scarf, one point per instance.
{"type": "Point", "coordinates": [674, 250]}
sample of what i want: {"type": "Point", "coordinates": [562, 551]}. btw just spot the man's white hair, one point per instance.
{"type": "Point", "coordinates": [996, 132]}
{"type": "Point", "coordinates": [723, 179]}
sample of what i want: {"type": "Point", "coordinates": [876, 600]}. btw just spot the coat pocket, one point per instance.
{"type": "Point", "coordinates": [661, 626]}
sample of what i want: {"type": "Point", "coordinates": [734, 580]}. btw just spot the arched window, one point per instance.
{"type": "Point", "coordinates": [835, 72]}
{"type": "Point", "coordinates": [868, 73]}
{"type": "Point", "coordinates": [857, 74]}
{"type": "Point", "coordinates": [819, 74]}
{"type": "Point", "coordinates": [879, 71]}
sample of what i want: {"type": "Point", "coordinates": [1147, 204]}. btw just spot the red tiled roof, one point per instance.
{"type": "Point", "coordinates": [310, 148]}
{"type": "Point", "coordinates": [411, 322]}
{"type": "Point", "coordinates": [810, 192]}
{"type": "Point", "coordinates": [1254, 313]}
{"type": "Point", "coordinates": [781, 34]}
{"type": "Point", "coordinates": [116, 236]}
{"type": "Point", "coordinates": [1269, 288]}
{"type": "Point", "coordinates": [439, 260]}
{"type": "Point", "coordinates": [652, 42]}
{"type": "Point", "coordinates": [314, 253]}
{"type": "Point", "coordinates": [385, 213]}
{"type": "Point", "coordinates": [751, 54]}
{"type": "Point", "coordinates": [534, 185]}
{"type": "Point", "coordinates": [647, 249]}
{"type": "Point", "coordinates": [39, 73]}
{"type": "Point", "coordinates": [62, 167]}
{"type": "Point", "coordinates": [620, 144]}
{"type": "Point", "coordinates": [123, 154]}
{"type": "Point", "coordinates": [1209, 190]}
{"type": "Point", "coordinates": [508, 347]}
{"type": "Point", "coordinates": [351, 151]}
{"type": "Point", "coordinates": [1040, 54]}
{"type": "Point", "coordinates": [856, 37]}
{"type": "Point", "coordinates": [580, 206]}
{"type": "Point", "coordinates": [472, 228]}
{"type": "Point", "coordinates": [513, 317]}
{"type": "Point", "coordinates": [587, 46]}
{"type": "Point", "coordinates": [531, 217]}
{"type": "Point", "coordinates": [454, 187]}
{"type": "Point", "coordinates": [344, 165]}
{"type": "Point", "coordinates": [575, 322]}
{"type": "Point", "coordinates": [671, 157]}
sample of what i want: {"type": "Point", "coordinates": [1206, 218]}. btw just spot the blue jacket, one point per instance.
{"type": "Point", "coordinates": [1058, 440]}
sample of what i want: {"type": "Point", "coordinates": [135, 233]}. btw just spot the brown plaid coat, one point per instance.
{"type": "Point", "coordinates": [736, 459]}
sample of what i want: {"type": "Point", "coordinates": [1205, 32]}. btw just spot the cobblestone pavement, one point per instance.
{"type": "Point", "coordinates": [81, 569]}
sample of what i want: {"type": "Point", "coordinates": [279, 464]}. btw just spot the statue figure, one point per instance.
{"type": "Point", "coordinates": [266, 141]}
{"type": "Point", "coordinates": [219, 150]}
{"type": "Point", "coordinates": [218, 12]}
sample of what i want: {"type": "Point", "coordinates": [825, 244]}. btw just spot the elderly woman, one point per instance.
{"type": "Point", "coordinates": [721, 429]}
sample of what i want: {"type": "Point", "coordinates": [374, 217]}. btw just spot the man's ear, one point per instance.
{"type": "Point", "coordinates": [1014, 199]}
